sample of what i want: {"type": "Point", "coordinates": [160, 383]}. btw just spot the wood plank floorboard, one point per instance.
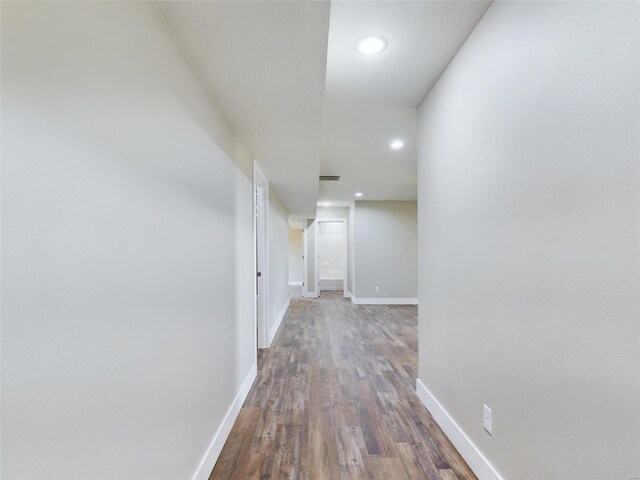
{"type": "Point", "coordinates": [335, 400]}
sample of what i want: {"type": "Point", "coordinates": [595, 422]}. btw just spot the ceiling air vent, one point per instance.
{"type": "Point", "coordinates": [329, 178]}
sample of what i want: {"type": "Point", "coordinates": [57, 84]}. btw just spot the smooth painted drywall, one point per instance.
{"type": "Point", "coordinates": [332, 212]}
{"type": "Point", "coordinates": [295, 255]}
{"type": "Point", "coordinates": [528, 188]}
{"type": "Point", "coordinates": [127, 266]}
{"type": "Point", "coordinates": [278, 260]}
{"type": "Point", "coordinates": [385, 245]}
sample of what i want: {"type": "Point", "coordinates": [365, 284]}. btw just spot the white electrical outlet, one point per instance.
{"type": "Point", "coordinates": [487, 420]}
{"type": "Point", "coordinates": [377, 289]}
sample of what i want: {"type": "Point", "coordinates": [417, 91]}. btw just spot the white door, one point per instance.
{"type": "Point", "coordinates": [260, 263]}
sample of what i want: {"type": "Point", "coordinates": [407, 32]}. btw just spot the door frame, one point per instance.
{"type": "Point", "coordinates": [345, 254]}
{"type": "Point", "coordinates": [261, 263]}
{"type": "Point", "coordinates": [304, 261]}
{"type": "Point", "coordinates": [310, 245]}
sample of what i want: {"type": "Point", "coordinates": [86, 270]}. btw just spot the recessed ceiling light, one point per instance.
{"type": "Point", "coordinates": [358, 194]}
{"type": "Point", "coordinates": [397, 144]}
{"type": "Point", "coordinates": [371, 45]}
{"type": "Point", "coordinates": [323, 204]}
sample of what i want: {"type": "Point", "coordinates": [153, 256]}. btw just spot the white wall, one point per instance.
{"type": "Point", "coordinates": [295, 255]}
{"type": "Point", "coordinates": [385, 244]}
{"type": "Point", "coordinates": [278, 263]}
{"type": "Point", "coordinates": [332, 212]}
{"type": "Point", "coordinates": [127, 271]}
{"type": "Point", "coordinates": [528, 188]}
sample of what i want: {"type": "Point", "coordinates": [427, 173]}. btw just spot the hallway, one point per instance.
{"type": "Point", "coordinates": [335, 398]}
{"type": "Point", "coordinates": [218, 219]}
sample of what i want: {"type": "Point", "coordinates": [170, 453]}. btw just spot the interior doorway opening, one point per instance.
{"type": "Point", "coordinates": [295, 246]}
{"type": "Point", "coordinates": [331, 268]}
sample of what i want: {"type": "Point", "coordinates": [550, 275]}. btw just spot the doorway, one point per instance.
{"type": "Point", "coordinates": [331, 265]}
{"type": "Point", "coordinates": [261, 222]}
{"type": "Point", "coordinates": [295, 246]}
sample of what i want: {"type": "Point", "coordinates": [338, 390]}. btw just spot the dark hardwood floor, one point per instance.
{"type": "Point", "coordinates": [335, 399]}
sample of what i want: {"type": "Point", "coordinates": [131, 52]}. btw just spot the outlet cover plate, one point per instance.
{"type": "Point", "coordinates": [487, 419]}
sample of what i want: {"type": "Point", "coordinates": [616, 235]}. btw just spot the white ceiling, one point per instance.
{"type": "Point", "coordinates": [422, 36]}
{"type": "Point", "coordinates": [356, 146]}
{"type": "Point", "coordinates": [370, 100]}
{"type": "Point", "coordinates": [265, 65]}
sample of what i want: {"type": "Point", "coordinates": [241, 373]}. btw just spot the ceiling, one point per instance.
{"type": "Point", "coordinates": [371, 100]}
{"type": "Point", "coordinates": [265, 65]}
{"type": "Point", "coordinates": [305, 102]}
{"type": "Point", "coordinates": [422, 37]}
{"type": "Point", "coordinates": [356, 146]}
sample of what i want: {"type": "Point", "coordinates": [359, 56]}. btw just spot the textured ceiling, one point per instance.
{"type": "Point", "coordinates": [423, 37]}
{"type": "Point", "coordinates": [265, 65]}
{"type": "Point", "coordinates": [370, 100]}
{"type": "Point", "coordinates": [357, 148]}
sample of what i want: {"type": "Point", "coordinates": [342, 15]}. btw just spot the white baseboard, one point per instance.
{"type": "Point", "coordinates": [295, 284]}
{"type": "Point", "coordinates": [384, 301]}
{"type": "Point", "coordinates": [310, 295]}
{"type": "Point", "coordinates": [277, 323]}
{"type": "Point", "coordinates": [215, 447]}
{"type": "Point", "coordinates": [472, 455]}
{"type": "Point", "coordinates": [350, 296]}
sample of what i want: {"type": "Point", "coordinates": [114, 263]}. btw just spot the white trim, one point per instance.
{"type": "Point", "coordinates": [351, 252]}
{"type": "Point", "coordinates": [215, 447]}
{"type": "Point", "coordinates": [310, 294]}
{"type": "Point", "coordinates": [277, 323]}
{"type": "Point", "coordinates": [350, 295]}
{"type": "Point", "coordinates": [384, 301]}
{"type": "Point", "coordinates": [305, 278]}
{"type": "Point", "coordinates": [467, 449]}
{"type": "Point", "coordinates": [316, 259]}
{"type": "Point", "coordinates": [296, 283]}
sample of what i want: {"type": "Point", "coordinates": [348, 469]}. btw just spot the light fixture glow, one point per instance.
{"type": "Point", "coordinates": [396, 144]}
{"type": "Point", "coordinates": [323, 204]}
{"type": "Point", "coordinates": [371, 45]}
{"type": "Point", "coordinates": [358, 194]}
